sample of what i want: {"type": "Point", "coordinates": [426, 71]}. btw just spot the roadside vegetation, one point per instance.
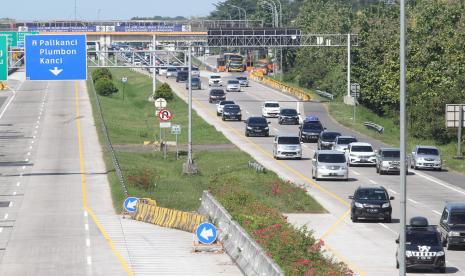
{"type": "Point", "coordinates": [256, 200]}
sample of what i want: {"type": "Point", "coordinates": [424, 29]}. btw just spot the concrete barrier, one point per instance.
{"type": "Point", "coordinates": [299, 93]}
{"type": "Point", "coordinates": [243, 249]}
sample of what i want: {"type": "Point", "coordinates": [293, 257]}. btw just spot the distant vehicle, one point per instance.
{"type": "Point", "coordinates": [388, 160]}
{"type": "Point", "coordinates": [426, 157]}
{"type": "Point", "coordinates": [329, 164]}
{"type": "Point", "coordinates": [244, 81]}
{"type": "Point", "coordinates": [171, 72]}
{"type": "Point", "coordinates": [264, 66]}
{"type": "Point", "coordinates": [195, 71]}
{"type": "Point", "coordinates": [234, 62]}
{"type": "Point", "coordinates": [288, 116]}
{"type": "Point", "coordinates": [311, 119]}
{"type": "Point", "coordinates": [231, 111]}
{"type": "Point", "coordinates": [257, 126]}
{"type": "Point", "coordinates": [327, 139]}
{"type": "Point", "coordinates": [452, 224]}
{"type": "Point", "coordinates": [216, 95]}
{"type": "Point", "coordinates": [371, 202]}
{"type": "Point", "coordinates": [233, 85]}
{"type": "Point", "coordinates": [423, 247]}
{"type": "Point", "coordinates": [342, 142]}
{"type": "Point", "coordinates": [196, 83]}
{"type": "Point", "coordinates": [220, 106]}
{"type": "Point", "coordinates": [361, 153]}
{"type": "Point", "coordinates": [215, 80]}
{"type": "Point", "coordinates": [270, 109]}
{"type": "Point", "coordinates": [162, 70]}
{"type": "Point", "coordinates": [287, 146]}
{"type": "Point", "coordinates": [310, 131]}
{"type": "Point", "coordinates": [182, 76]}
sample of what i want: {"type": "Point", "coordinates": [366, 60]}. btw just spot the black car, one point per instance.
{"type": "Point", "coordinates": [182, 76]}
{"type": "Point", "coordinates": [257, 126]}
{"type": "Point", "coordinates": [310, 131]}
{"type": "Point", "coordinates": [216, 95]}
{"type": "Point", "coordinates": [452, 225]}
{"type": "Point", "coordinates": [369, 202]}
{"type": "Point", "coordinates": [423, 247]}
{"type": "Point", "coordinates": [327, 139]}
{"type": "Point", "coordinates": [288, 116]}
{"type": "Point", "coordinates": [195, 83]}
{"type": "Point", "coordinates": [231, 112]}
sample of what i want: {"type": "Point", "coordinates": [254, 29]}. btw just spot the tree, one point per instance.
{"type": "Point", "coordinates": [164, 91]}
{"type": "Point", "coordinates": [105, 87]}
{"type": "Point", "coordinates": [100, 73]}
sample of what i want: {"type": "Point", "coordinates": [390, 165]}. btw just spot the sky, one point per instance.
{"type": "Point", "coordinates": [102, 9]}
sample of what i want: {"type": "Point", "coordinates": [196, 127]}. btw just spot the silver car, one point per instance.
{"type": "Point", "coordinates": [330, 164]}
{"type": "Point", "coordinates": [233, 85]}
{"type": "Point", "coordinates": [287, 146]}
{"type": "Point", "coordinates": [426, 157]}
{"type": "Point", "coordinates": [342, 142]}
{"type": "Point", "coordinates": [244, 81]}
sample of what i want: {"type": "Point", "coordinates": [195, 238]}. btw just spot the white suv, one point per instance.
{"type": "Point", "coordinates": [287, 146]}
{"type": "Point", "coordinates": [215, 80]}
{"type": "Point", "coordinates": [361, 154]}
{"type": "Point", "coordinates": [270, 109]}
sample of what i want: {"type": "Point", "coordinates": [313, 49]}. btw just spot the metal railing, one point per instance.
{"type": "Point", "coordinates": [257, 166]}
{"type": "Point", "coordinates": [371, 125]}
{"type": "Point", "coordinates": [325, 94]}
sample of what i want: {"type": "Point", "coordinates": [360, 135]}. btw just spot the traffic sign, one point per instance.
{"type": "Point", "coordinates": [165, 125]}
{"type": "Point", "coordinates": [16, 39]}
{"type": "Point", "coordinates": [176, 129]}
{"type": "Point", "coordinates": [3, 58]}
{"type": "Point", "coordinates": [56, 57]}
{"type": "Point", "coordinates": [165, 115]}
{"type": "Point", "coordinates": [124, 79]}
{"type": "Point", "coordinates": [130, 204]}
{"type": "Point", "coordinates": [206, 233]}
{"type": "Point", "coordinates": [160, 103]}
{"type": "Point", "coordinates": [355, 87]}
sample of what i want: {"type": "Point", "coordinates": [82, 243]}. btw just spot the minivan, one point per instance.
{"type": "Point", "coordinates": [287, 146]}
{"type": "Point", "coordinates": [330, 164]}
{"type": "Point", "coordinates": [452, 224]}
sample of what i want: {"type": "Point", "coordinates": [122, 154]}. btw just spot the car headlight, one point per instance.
{"type": "Point", "coordinates": [323, 167]}
{"type": "Point", "coordinates": [238, 113]}
{"type": "Point", "coordinates": [408, 254]}
{"type": "Point", "coordinates": [353, 155]}
{"type": "Point", "coordinates": [386, 205]}
{"type": "Point", "coordinates": [440, 253]}
{"type": "Point", "coordinates": [454, 234]}
{"type": "Point", "coordinates": [266, 128]}
{"type": "Point", "coordinates": [249, 127]}
{"type": "Point", "coordinates": [358, 205]}
{"type": "Point", "coordinates": [226, 113]}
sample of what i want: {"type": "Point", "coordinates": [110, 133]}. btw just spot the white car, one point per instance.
{"type": "Point", "coordinates": [162, 71]}
{"type": "Point", "coordinates": [329, 164]}
{"type": "Point", "coordinates": [233, 85]}
{"type": "Point", "coordinates": [220, 105]}
{"type": "Point", "coordinates": [244, 81]}
{"type": "Point", "coordinates": [270, 109]}
{"type": "Point", "coordinates": [287, 146]}
{"type": "Point", "coordinates": [215, 80]}
{"type": "Point", "coordinates": [361, 154]}
{"type": "Point", "coordinates": [171, 72]}
{"type": "Point", "coordinates": [342, 142]}
{"type": "Point", "coordinates": [195, 72]}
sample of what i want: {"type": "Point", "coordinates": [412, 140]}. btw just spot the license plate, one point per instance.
{"type": "Point", "coordinates": [363, 160]}
{"type": "Point", "coordinates": [372, 210]}
{"type": "Point", "coordinates": [257, 130]}
{"type": "Point", "coordinates": [332, 174]}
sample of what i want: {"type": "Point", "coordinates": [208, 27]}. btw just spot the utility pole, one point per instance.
{"type": "Point", "coordinates": [348, 65]}
{"type": "Point", "coordinates": [154, 73]}
{"type": "Point", "coordinates": [189, 167]}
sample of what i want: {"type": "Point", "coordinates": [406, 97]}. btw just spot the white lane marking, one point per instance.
{"type": "Point", "coordinates": [30, 147]}
{"type": "Point", "coordinates": [247, 112]}
{"type": "Point", "coordinates": [356, 173]}
{"type": "Point", "coordinates": [436, 212]}
{"type": "Point", "coordinates": [306, 146]}
{"type": "Point", "coordinates": [392, 191]}
{"type": "Point", "coordinates": [29, 153]}
{"type": "Point", "coordinates": [24, 167]}
{"type": "Point", "coordinates": [6, 216]}
{"type": "Point", "coordinates": [38, 121]}
{"type": "Point", "coordinates": [86, 226]}
{"type": "Point", "coordinates": [11, 204]}
{"type": "Point", "coordinates": [88, 242]}
{"type": "Point", "coordinates": [275, 129]}
{"type": "Point", "coordinates": [458, 190]}
{"type": "Point", "coordinates": [1, 229]}
{"type": "Point", "coordinates": [10, 100]}
{"type": "Point", "coordinates": [413, 201]}
{"type": "Point", "coordinates": [27, 160]}
{"type": "Point", "coordinates": [372, 181]}
{"type": "Point", "coordinates": [32, 142]}
{"type": "Point", "coordinates": [89, 260]}
{"type": "Point", "coordinates": [21, 175]}
{"type": "Point", "coordinates": [385, 226]}
{"type": "Point", "coordinates": [14, 193]}
{"type": "Point", "coordinates": [18, 184]}
{"type": "Point", "coordinates": [37, 126]}
{"type": "Point", "coordinates": [85, 214]}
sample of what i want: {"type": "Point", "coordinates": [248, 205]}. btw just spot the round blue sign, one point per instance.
{"type": "Point", "coordinates": [206, 233]}
{"type": "Point", "coordinates": [130, 204]}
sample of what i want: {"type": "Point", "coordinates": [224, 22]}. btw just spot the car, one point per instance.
{"type": "Point", "coordinates": [388, 160]}
{"type": "Point", "coordinates": [243, 81]}
{"type": "Point", "coordinates": [327, 139]}
{"type": "Point", "coordinates": [361, 153]}
{"type": "Point", "coordinates": [329, 164]}
{"type": "Point", "coordinates": [195, 72]}
{"type": "Point", "coordinates": [423, 247]}
{"type": "Point", "coordinates": [233, 85]}
{"type": "Point", "coordinates": [231, 111]}
{"type": "Point", "coordinates": [162, 70]}
{"type": "Point", "coordinates": [287, 146]}
{"type": "Point", "coordinates": [452, 225]}
{"type": "Point", "coordinates": [216, 95]}
{"type": "Point", "coordinates": [371, 202]}
{"type": "Point", "coordinates": [426, 157]}
{"type": "Point", "coordinates": [288, 116]}
{"type": "Point", "coordinates": [257, 126]}
{"type": "Point", "coordinates": [310, 131]}
{"type": "Point", "coordinates": [311, 119]}
{"type": "Point", "coordinates": [182, 76]}
{"type": "Point", "coordinates": [270, 109]}
{"type": "Point", "coordinates": [342, 142]}
{"type": "Point", "coordinates": [220, 106]}
{"type": "Point", "coordinates": [171, 72]}
{"type": "Point", "coordinates": [215, 80]}
{"type": "Point", "coordinates": [196, 83]}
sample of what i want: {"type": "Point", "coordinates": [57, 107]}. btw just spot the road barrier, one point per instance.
{"type": "Point", "coordinates": [207, 66]}
{"type": "Point", "coordinates": [299, 93]}
{"type": "Point", "coordinates": [325, 94]}
{"type": "Point", "coordinates": [374, 126]}
{"type": "Point", "coordinates": [243, 249]}
{"type": "Point", "coordinates": [2, 85]}
{"type": "Point", "coordinates": [148, 211]}
{"type": "Point", "coordinates": [257, 166]}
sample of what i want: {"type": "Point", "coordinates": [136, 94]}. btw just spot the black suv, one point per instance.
{"type": "Point", "coordinates": [231, 111]}
{"type": "Point", "coordinates": [216, 95]}
{"type": "Point", "coordinates": [288, 116]}
{"type": "Point", "coordinates": [423, 247]}
{"type": "Point", "coordinates": [310, 131]}
{"type": "Point", "coordinates": [182, 76]}
{"type": "Point", "coordinates": [257, 126]}
{"type": "Point", "coordinates": [452, 225]}
{"type": "Point", "coordinates": [327, 139]}
{"type": "Point", "coordinates": [370, 202]}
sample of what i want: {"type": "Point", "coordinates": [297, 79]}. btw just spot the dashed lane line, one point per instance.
{"type": "Point", "coordinates": [437, 212]}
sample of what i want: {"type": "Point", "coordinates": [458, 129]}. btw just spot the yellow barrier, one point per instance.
{"type": "Point", "coordinates": [148, 211]}
{"type": "Point", "coordinates": [299, 93]}
{"type": "Point", "coordinates": [2, 85]}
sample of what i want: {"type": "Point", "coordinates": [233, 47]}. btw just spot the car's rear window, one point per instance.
{"type": "Point", "coordinates": [289, 112]}
{"type": "Point", "coordinates": [391, 153]}
{"type": "Point", "coordinates": [361, 149]}
{"type": "Point", "coordinates": [428, 151]}
{"type": "Point", "coordinates": [329, 136]}
{"type": "Point", "coordinates": [271, 104]}
{"type": "Point", "coordinates": [331, 158]}
{"type": "Point", "coordinates": [457, 218]}
{"type": "Point", "coordinates": [217, 92]}
{"type": "Point", "coordinates": [172, 69]}
{"type": "Point", "coordinates": [345, 141]}
{"type": "Point", "coordinates": [233, 82]}
{"type": "Point", "coordinates": [288, 140]}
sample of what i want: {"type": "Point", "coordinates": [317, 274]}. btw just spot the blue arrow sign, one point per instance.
{"type": "Point", "coordinates": [56, 57]}
{"type": "Point", "coordinates": [130, 204]}
{"type": "Point", "coordinates": [206, 233]}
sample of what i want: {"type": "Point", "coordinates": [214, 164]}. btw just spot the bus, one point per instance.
{"type": "Point", "coordinates": [230, 62]}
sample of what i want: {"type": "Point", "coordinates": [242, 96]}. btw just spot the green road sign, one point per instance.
{"type": "Point", "coordinates": [16, 39]}
{"type": "Point", "coordinates": [3, 58]}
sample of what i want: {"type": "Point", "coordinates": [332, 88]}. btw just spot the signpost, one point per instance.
{"type": "Point", "coordinates": [355, 93]}
{"type": "Point", "coordinates": [124, 80]}
{"type": "Point", "coordinates": [454, 119]}
{"type": "Point", "coordinates": [165, 115]}
{"type": "Point", "coordinates": [206, 233]}
{"type": "Point", "coordinates": [56, 57]}
{"type": "Point", "coordinates": [3, 58]}
{"type": "Point", "coordinates": [130, 204]}
{"type": "Point", "coordinates": [176, 130]}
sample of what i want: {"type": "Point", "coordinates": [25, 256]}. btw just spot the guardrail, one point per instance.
{"type": "Point", "coordinates": [374, 126]}
{"type": "Point", "coordinates": [325, 94]}
{"type": "Point", "coordinates": [299, 93]}
{"type": "Point", "coordinates": [258, 167]}
{"type": "Point", "coordinates": [243, 249]}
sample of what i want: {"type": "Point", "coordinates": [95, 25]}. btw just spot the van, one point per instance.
{"type": "Point", "coordinates": [452, 224]}
{"type": "Point", "coordinates": [330, 164]}
{"type": "Point", "coordinates": [287, 146]}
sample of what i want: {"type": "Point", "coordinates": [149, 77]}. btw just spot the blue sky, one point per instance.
{"type": "Point", "coordinates": [104, 9]}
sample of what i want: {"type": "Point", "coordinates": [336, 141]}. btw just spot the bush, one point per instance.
{"type": "Point", "coordinates": [164, 91]}
{"type": "Point", "coordinates": [101, 73]}
{"type": "Point", "coordinates": [105, 87]}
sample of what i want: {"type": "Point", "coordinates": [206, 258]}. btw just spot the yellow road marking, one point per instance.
{"type": "Point", "coordinates": [335, 225]}
{"type": "Point", "coordinates": [84, 188]}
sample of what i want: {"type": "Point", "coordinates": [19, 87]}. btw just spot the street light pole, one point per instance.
{"type": "Point", "coordinates": [154, 73]}
{"type": "Point", "coordinates": [189, 167]}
